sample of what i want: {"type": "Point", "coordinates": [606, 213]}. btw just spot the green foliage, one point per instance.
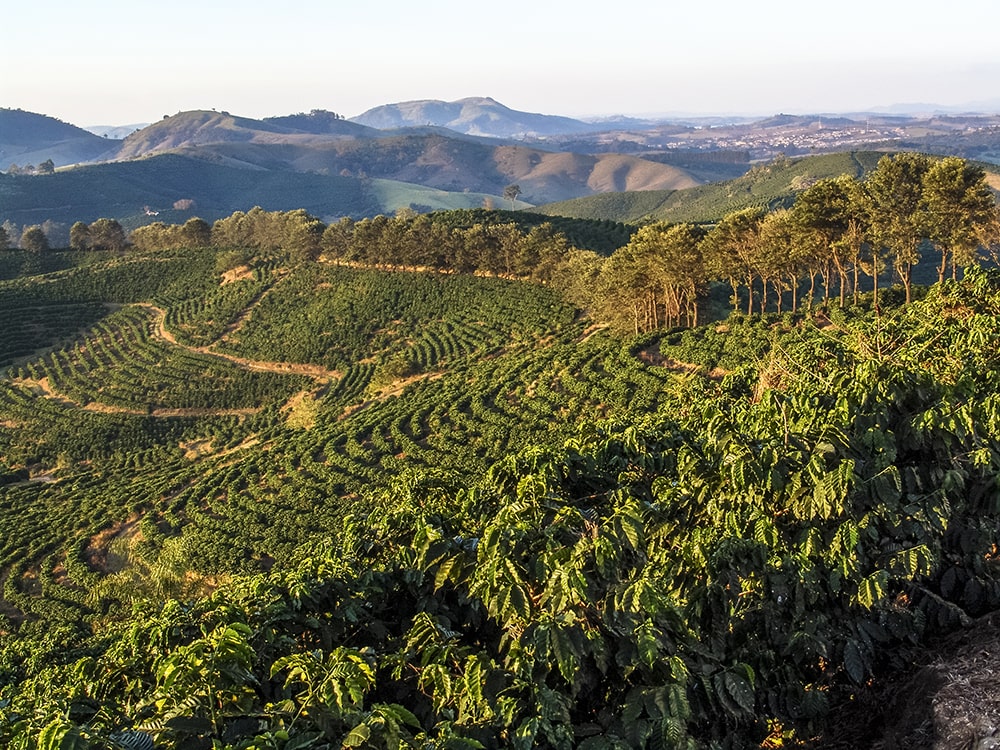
{"type": "Point", "coordinates": [765, 185]}
{"type": "Point", "coordinates": [719, 558]}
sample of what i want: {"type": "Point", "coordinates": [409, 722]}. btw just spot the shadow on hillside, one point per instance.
{"type": "Point", "coordinates": [948, 701]}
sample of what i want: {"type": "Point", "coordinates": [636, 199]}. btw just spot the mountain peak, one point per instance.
{"type": "Point", "coordinates": [482, 116]}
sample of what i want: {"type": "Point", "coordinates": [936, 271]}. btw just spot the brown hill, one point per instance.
{"type": "Point", "coordinates": [438, 160]}
{"type": "Point", "coordinates": [201, 128]}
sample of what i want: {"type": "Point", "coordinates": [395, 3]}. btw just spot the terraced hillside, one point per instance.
{"type": "Point", "coordinates": [209, 407]}
{"type": "Point", "coordinates": [248, 502]}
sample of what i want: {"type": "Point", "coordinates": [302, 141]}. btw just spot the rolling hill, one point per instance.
{"type": "Point", "coordinates": [29, 138]}
{"type": "Point", "coordinates": [319, 162]}
{"type": "Point", "coordinates": [122, 190]}
{"type": "Point", "coordinates": [473, 116]}
{"type": "Point", "coordinates": [768, 184]}
{"type": "Point", "coordinates": [321, 504]}
{"type": "Point", "coordinates": [201, 128]}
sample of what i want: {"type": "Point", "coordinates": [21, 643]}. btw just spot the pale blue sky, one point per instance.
{"type": "Point", "coordinates": [114, 62]}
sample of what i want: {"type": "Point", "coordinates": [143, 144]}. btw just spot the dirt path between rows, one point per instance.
{"type": "Point", "coordinates": [44, 388]}
{"type": "Point", "coordinates": [321, 375]}
{"type": "Point", "coordinates": [283, 368]}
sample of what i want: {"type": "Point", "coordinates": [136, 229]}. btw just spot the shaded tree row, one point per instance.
{"type": "Point", "coordinates": [836, 232]}
{"type": "Point", "coordinates": [103, 234]}
{"type": "Point", "coordinates": [193, 233]}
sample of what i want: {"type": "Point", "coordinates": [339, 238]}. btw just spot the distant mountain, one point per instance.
{"type": "Point", "coordinates": [116, 132]}
{"type": "Point", "coordinates": [474, 116]}
{"type": "Point", "coordinates": [770, 185]}
{"type": "Point", "coordinates": [197, 128]}
{"type": "Point", "coordinates": [30, 138]}
{"type": "Point", "coordinates": [435, 157]}
{"type": "Point", "coordinates": [452, 164]}
{"type": "Point", "coordinates": [321, 122]}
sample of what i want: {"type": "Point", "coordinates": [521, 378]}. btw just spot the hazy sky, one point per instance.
{"type": "Point", "coordinates": [115, 62]}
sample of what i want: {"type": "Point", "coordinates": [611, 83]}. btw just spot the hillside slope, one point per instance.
{"type": "Point", "coordinates": [29, 138]}
{"type": "Point", "coordinates": [770, 184]}
{"type": "Point", "coordinates": [473, 116]}
{"type": "Point", "coordinates": [249, 499]}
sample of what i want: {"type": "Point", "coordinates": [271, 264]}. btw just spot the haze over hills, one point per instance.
{"type": "Point", "coordinates": [426, 155]}
{"type": "Point", "coordinates": [473, 116]}
{"type": "Point", "coordinates": [222, 153]}
{"type": "Point", "coordinates": [27, 138]}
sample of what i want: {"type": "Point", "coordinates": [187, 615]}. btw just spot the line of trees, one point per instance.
{"type": "Point", "coordinates": [839, 236]}
{"type": "Point", "coordinates": [103, 234]}
{"type": "Point", "coordinates": [408, 240]}
{"type": "Point", "coordinates": [836, 232]}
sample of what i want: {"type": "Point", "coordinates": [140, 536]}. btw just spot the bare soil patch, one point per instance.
{"type": "Point", "coordinates": [949, 700]}
{"type": "Point", "coordinates": [98, 551]}
{"type": "Point", "coordinates": [239, 273]}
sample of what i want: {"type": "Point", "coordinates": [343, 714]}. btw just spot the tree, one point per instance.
{"type": "Point", "coordinates": [107, 234]}
{"type": "Point", "coordinates": [783, 255]}
{"type": "Point", "coordinates": [4, 239]}
{"type": "Point", "coordinates": [576, 277]}
{"type": "Point", "coordinates": [829, 208]}
{"type": "Point", "coordinates": [625, 290]}
{"type": "Point", "coordinates": [34, 240]}
{"type": "Point", "coordinates": [47, 167]}
{"type": "Point", "coordinates": [337, 239]}
{"type": "Point", "coordinates": [730, 251]}
{"type": "Point", "coordinates": [11, 231]}
{"type": "Point", "coordinates": [956, 203]}
{"type": "Point", "coordinates": [989, 235]}
{"type": "Point", "coordinates": [896, 190]}
{"type": "Point", "coordinates": [510, 193]}
{"type": "Point", "coordinates": [196, 232]}
{"type": "Point", "coordinates": [676, 268]}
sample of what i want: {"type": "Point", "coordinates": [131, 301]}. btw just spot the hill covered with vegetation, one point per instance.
{"type": "Point", "coordinates": [29, 139]}
{"type": "Point", "coordinates": [325, 471]}
{"type": "Point", "coordinates": [448, 479]}
{"type": "Point", "coordinates": [317, 161]}
{"type": "Point", "coordinates": [763, 186]}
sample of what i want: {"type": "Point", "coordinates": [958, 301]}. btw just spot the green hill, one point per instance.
{"type": "Point", "coordinates": [121, 190]}
{"type": "Point", "coordinates": [770, 184]}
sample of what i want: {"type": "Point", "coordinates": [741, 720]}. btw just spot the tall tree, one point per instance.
{"type": "Point", "coordinates": [784, 254]}
{"type": "Point", "coordinates": [79, 236]}
{"type": "Point", "coordinates": [107, 234]}
{"type": "Point", "coordinates": [730, 251]}
{"type": "Point", "coordinates": [829, 208]}
{"type": "Point", "coordinates": [510, 193]}
{"type": "Point", "coordinates": [956, 203]}
{"type": "Point", "coordinates": [679, 269]}
{"type": "Point", "coordinates": [896, 190]}
{"type": "Point", "coordinates": [196, 232]}
{"type": "Point", "coordinates": [34, 240]}
{"type": "Point", "coordinates": [989, 235]}
{"type": "Point", "coordinates": [576, 277]}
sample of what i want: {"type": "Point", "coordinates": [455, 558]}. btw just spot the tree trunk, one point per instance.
{"type": "Point", "coordinates": [941, 268]}
{"type": "Point", "coordinates": [875, 288]}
